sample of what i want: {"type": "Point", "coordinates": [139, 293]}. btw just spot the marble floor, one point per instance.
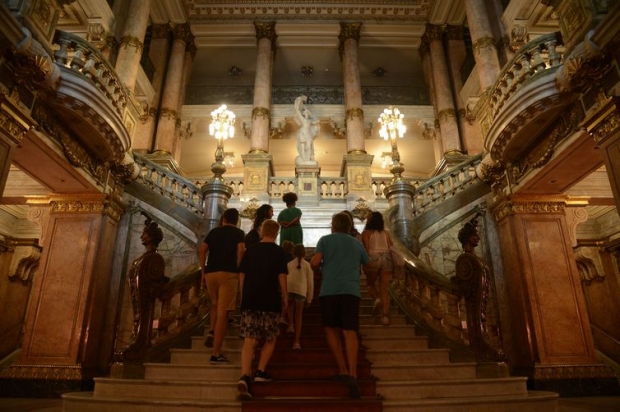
{"type": "Point", "coordinates": [588, 404]}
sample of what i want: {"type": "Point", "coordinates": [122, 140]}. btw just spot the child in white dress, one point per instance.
{"type": "Point", "coordinates": [300, 285]}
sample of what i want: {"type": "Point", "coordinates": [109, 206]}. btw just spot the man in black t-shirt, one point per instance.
{"type": "Point", "coordinates": [225, 246]}
{"type": "Point", "coordinates": [262, 275]}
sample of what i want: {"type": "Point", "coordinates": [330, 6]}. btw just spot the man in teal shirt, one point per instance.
{"type": "Point", "coordinates": [340, 257]}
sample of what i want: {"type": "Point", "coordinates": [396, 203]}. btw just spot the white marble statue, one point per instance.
{"type": "Point", "coordinates": [308, 131]}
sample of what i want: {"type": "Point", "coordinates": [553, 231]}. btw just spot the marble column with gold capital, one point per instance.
{"type": "Point", "coordinates": [258, 162]}
{"type": "Point", "coordinates": [485, 51]}
{"type": "Point", "coordinates": [354, 114]}
{"type": "Point", "coordinates": [549, 338]}
{"type": "Point", "coordinates": [444, 101]}
{"type": "Point", "coordinates": [65, 329]}
{"type": "Point", "coordinates": [188, 64]}
{"type": "Point", "coordinates": [169, 111]}
{"type": "Point", "coordinates": [132, 42]}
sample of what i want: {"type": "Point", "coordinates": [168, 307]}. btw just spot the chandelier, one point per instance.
{"type": "Point", "coordinates": [392, 129]}
{"type": "Point", "coordinates": [221, 127]}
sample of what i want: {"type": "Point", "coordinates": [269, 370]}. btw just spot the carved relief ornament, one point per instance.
{"type": "Point", "coordinates": [266, 30]}
{"type": "Point", "coordinates": [605, 122]}
{"type": "Point", "coordinates": [519, 204]}
{"type": "Point", "coordinates": [483, 43]}
{"type": "Point", "coordinates": [261, 112]}
{"type": "Point", "coordinates": [132, 41]}
{"type": "Point", "coordinates": [433, 32]}
{"type": "Point", "coordinates": [181, 32]}
{"type": "Point", "coordinates": [354, 112]}
{"type": "Point", "coordinates": [97, 203]}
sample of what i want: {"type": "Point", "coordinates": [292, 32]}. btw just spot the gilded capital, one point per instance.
{"type": "Point", "coordinates": [483, 43]}
{"type": "Point", "coordinates": [350, 31]}
{"type": "Point", "coordinates": [160, 31]}
{"type": "Point", "coordinates": [266, 30]}
{"type": "Point", "coordinates": [182, 32]}
{"type": "Point", "coordinates": [433, 32]}
{"type": "Point", "coordinates": [354, 112]}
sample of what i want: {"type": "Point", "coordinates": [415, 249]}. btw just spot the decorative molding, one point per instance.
{"type": "Point", "coordinates": [132, 41]}
{"type": "Point", "coordinates": [182, 32]}
{"type": "Point", "coordinates": [75, 153]}
{"type": "Point", "coordinates": [160, 31]}
{"type": "Point", "coordinates": [483, 43]}
{"type": "Point", "coordinates": [25, 262]}
{"type": "Point", "coordinates": [168, 113]}
{"type": "Point", "coordinates": [519, 36]}
{"type": "Point", "coordinates": [44, 372]}
{"type": "Point", "coordinates": [263, 112]}
{"type": "Point", "coordinates": [354, 112]}
{"type": "Point", "coordinates": [399, 10]}
{"type": "Point", "coordinates": [589, 265]}
{"type": "Point", "coordinates": [568, 371]}
{"type": "Point", "coordinates": [433, 32]}
{"type": "Point", "coordinates": [10, 126]}
{"type": "Point", "coordinates": [87, 204]}
{"type": "Point", "coordinates": [528, 204]}
{"type": "Point", "coordinates": [446, 114]}
{"type": "Point", "coordinates": [605, 121]}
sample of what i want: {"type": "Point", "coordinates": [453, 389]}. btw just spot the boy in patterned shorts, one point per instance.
{"type": "Point", "coordinates": [262, 277]}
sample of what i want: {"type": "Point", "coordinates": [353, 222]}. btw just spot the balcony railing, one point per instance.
{"type": "Point", "coordinates": [85, 60]}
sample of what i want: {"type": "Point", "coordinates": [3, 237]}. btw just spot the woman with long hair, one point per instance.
{"type": "Point", "coordinates": [263, 213]}
{"type": "Point", "coordinates": [377, 243]}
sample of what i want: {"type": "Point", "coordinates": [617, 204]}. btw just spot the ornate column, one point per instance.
{"type": "Point", "coordinates": [446, 112]}
{"type": "Point", "coordinates": [144, 138]}
{"type": "Point", "coordinates": [169, 112]}
{"type": "Point", "coordinates": [427, 69]}
{"type": "Point", "coordinates": [66, 320]}
{"type": "Point", "coordinates": [356, 164]}
{"type": "Point", "coordinates": [549, 338]}
{"type": "Point", "coordinates": [132, 42]}
{"type": "Point", "coordinates": [258, 162]}
{"type": "Point", "coordinates": [190, 53]}
{"type": "Point", "coordinates": [485, 52]}
{"type": "Point", "coordinates": [470, 132]}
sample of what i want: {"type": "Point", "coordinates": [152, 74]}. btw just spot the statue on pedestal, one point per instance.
{"type": "Point", "coordinates": [308, 131]}
{"type": "Point", "coordinates": [146, 276]}
{"type": "Point", "coordinates": [473, 279]}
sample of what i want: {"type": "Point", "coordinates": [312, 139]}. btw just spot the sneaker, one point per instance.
{"type": "Point", "coordinates": [296, 346]}
{"type": "Point", "coordinates": [218, 360]}
{"type": "Point", "coordinates": [385, 320]}
{"type": "Point", "coordinates": [262, 376]}
{"type": "Point", "coordinates": [354, 390]}
{"type": "Point", "coordinates": [244, 388]}
{"type": "Point", "coordinates": [209, 340]}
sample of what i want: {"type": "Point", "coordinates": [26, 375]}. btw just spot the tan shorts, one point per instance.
{"type": "Point", "coordinates": [222, 287]}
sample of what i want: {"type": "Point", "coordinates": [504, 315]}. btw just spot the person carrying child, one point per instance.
{"type": "Point", "coordinates": [262, 277]}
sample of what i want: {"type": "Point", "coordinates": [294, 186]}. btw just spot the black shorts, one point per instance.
{"type": "Point", "coordinates": [341, 311]}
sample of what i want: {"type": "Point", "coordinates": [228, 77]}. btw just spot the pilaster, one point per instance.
{"type": "Point", "coordinates": [258, 168]}
{"type": "Point", "coordinates": [357, 169]}
{"type": "Point", "coordinates": [549, 339]}
{"type": "Point", "coordinates": [68, 293]}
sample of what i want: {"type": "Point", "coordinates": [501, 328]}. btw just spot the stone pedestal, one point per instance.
{"type": "Point", "coordinates": [400, 195]}
{"type": "Point", "coordinates": [308, 184]}
{"type": "Point", "coordinates": [357, 169]}
{"type": "Point", "coordinates": [258, 168]}
{"type": "Point", "coordinates": [215, 195]}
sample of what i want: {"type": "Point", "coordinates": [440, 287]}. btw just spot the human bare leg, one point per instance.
{"type": "Point", "coordinates": [384, 287]}
{"type": "Point", "coordinates": [299, 309]}
{"type": "Point", "coordinates": [335, 345]}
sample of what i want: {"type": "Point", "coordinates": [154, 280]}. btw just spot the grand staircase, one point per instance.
{"type": "Point", "coordinates": [396, 372]}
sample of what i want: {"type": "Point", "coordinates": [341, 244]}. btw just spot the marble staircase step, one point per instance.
{"type": "Point", "coordinates": [310, 387]}
{"type": "Point", "coordinates": [315, 370]}
{"type": "Point", "coordinates": [304, 355]}
{"type": "Point", "coordinates": [382, 343]}
{"type": "Point", "coordinates": [534, 401]}
{"type": "Point", "coordinates": [224, 390]}
{"type": "Point", "coordinates": [87, 402]}
{"type": "Point", "coordinates": [168, 371]}
{"type": "Point", "coordinates": [392, 331]}
{"type": "Point", "coordinates": [407, 356]}
{"type": "Point", "coordinates": [438, 371]}
{"type": "Point", "coordinates": [306, 404]}
{"type": "Point", "coordinates": [451, 388]}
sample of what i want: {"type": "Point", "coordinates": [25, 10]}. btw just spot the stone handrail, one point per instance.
{"type": "Point", "coordinates": [333, 187]}
{"type": "Point", "coordinates": [85, 60]}
{"type": "Point", "coordinates": [535, 57]}
{"type": "Point", "coordinates": [439, 188]}
{"type": "Point", "coordinates": [159, 179]}
{"type": "Point", "coordinates": [180, 305]}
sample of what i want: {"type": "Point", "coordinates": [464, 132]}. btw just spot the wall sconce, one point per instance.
{"type": "Point", "coordinates": [234, 71]}
{"type": "Point", "coordinates": [379, 72]}
{"type": "Point", "coordinates": [307, 71]}
{"type": "Point", "coordinates": [229, 159]}
{"type": "Point", "coordinates": [386, 159]}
